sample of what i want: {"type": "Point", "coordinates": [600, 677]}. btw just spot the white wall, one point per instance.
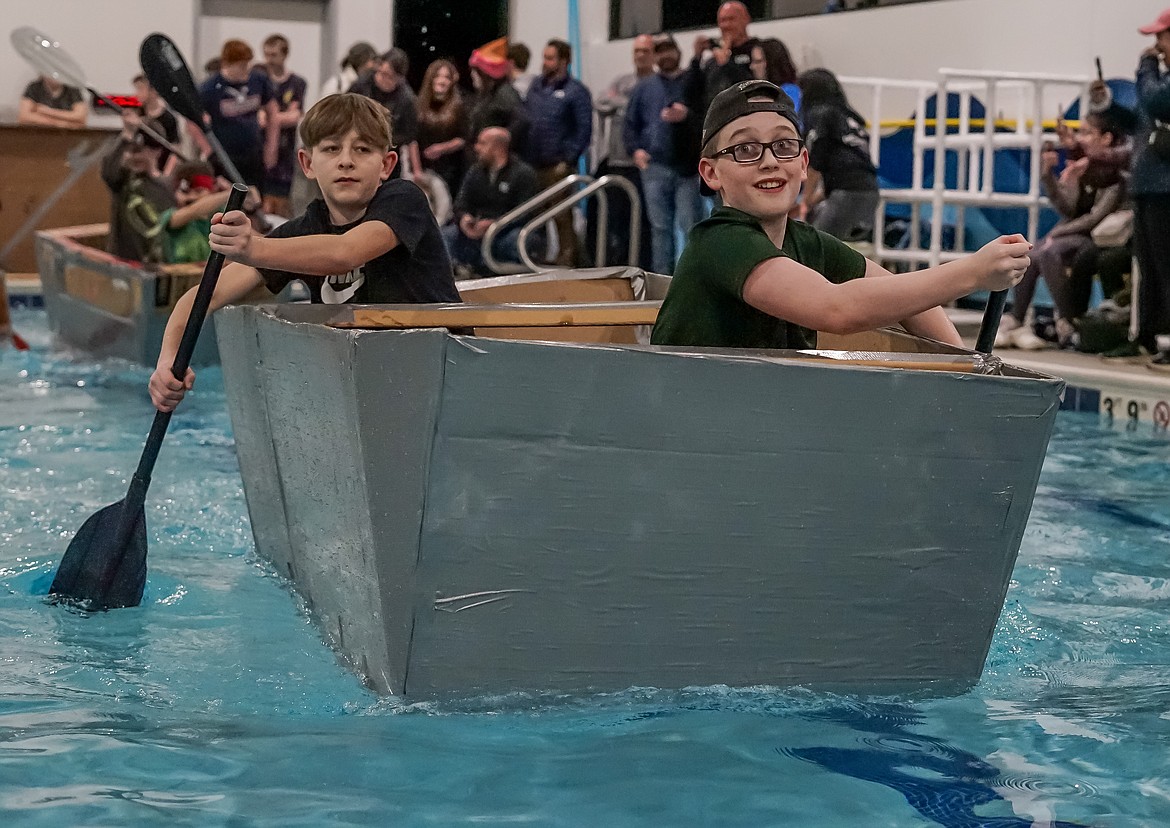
{"type": "Point", "coordinates": [103, 38]}
{"type": "Point", "coordinates": [534, 22]}
{"type": "Point", "coordinates": [349, 21]}
{"type": "Point", "coordinates": [304, 38]}
{"type": "Point", "coordinates": [911, 41]}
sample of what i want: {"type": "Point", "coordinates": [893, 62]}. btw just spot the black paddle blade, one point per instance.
{"type": "Point", "coordinates": [98, 571]}
{"type": "Point", "coordinates": [167, 72]}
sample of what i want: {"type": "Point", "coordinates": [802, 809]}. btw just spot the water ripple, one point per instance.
{"type": "Point", "coordinates": [218, 702]}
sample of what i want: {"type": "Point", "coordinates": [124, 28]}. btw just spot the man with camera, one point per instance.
{"type": "Point", "coordinates": [730, 55]}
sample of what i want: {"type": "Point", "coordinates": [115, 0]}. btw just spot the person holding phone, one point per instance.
{"type": "Point", "coordinates": [729, 56]}
{"type": "Point", "coordinates": [1083, 194]}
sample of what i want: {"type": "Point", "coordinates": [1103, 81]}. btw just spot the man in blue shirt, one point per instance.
{"type": "Point", "coordinates": [233, 99]}
{"type": "Point", "coordinates": [662, 137]}
{"type": "Point", "coordinates": [560, 110]}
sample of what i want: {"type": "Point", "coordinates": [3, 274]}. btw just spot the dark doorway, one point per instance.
{"type": "Point", "coordinates": [433, 29]}
{"type": "Point", "coordinates": [679, 16]}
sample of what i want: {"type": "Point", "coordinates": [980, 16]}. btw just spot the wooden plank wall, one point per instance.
{"type": "Point", "coordinates": [33, 164]}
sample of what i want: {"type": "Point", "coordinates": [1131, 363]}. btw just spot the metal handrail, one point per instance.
{"type": "Point", "coordinates": [602, 219]}
{"type": "Point", "coordinates": [516, 212]}
{"type": "Point", "coordinates": [592, 186]}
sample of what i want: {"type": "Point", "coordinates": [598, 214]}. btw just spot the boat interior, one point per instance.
{"type": "Point", "coordinates": [614, 305]}
{"type": "Point", "coordinates": [618, 306]}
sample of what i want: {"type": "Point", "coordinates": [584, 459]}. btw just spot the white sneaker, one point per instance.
{"type": "Point", "coordinates": [1007, 329]}
{"type": "Point", "coordinates": [1026, 340]}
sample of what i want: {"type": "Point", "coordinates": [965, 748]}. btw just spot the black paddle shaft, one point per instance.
{"type": "Point", "coordinates": [990, 325]}
{"type": "Point", "coordinates": [199, 308]}
{"type": "Point", "coordinates": [105, 564]}
{"type": "Point", "coordinates": [168, 73]}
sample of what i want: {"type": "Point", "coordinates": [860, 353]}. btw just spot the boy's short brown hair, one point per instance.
{"type": "Point", "coordinates": [192, 172]}
{"type": "Point", "coordinates": [235, 51]}
{"type": "Point", "coordinates": [520, 54]}
{"type": "Point", "coordinates": [279, 41]}
{"type": "Point", "coordinates": [335, 115]}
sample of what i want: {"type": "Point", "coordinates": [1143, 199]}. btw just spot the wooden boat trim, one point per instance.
{"type": "Point", "coordinates": [70, 237]}
{"type": "Point", "coordinates": [590, 314]}
{"type": "Point", "coordinates": [594, 314]}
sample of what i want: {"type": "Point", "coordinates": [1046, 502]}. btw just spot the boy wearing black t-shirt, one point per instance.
{"type": "Point", "coordinates": [751, 278]}
{"type": "Point", "coordinates": [367, 240]}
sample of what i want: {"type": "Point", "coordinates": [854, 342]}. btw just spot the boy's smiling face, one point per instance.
{"type": "Point", "coordinates": [767, 188]}
{"type": "Point", "coordinates": [349, 170]}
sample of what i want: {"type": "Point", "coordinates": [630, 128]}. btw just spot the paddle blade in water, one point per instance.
{"type": "Point", "coordinates": [99, 571]}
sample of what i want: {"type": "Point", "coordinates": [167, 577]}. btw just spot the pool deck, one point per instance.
{"type": "Point", "coordinates": [24, 289]}
{"type": "Point", "coordinates": [1126, 389]}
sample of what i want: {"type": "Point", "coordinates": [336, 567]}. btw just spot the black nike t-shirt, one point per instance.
{"type": "Point", "coordinates": [416, 271]}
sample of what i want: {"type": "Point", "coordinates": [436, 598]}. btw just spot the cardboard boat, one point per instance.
{"type": "Point", "coordinates": [553, 505]}
{"type": "Point", "coordinates": [104, 306]}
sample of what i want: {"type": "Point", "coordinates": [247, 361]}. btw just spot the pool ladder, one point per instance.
{"type": "Point", "coordinates": [592, 186]}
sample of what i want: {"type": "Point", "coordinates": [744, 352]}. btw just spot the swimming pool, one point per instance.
{"type": "Point", "coordinates": [217, 703]}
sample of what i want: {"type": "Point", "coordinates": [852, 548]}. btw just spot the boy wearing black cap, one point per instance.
{"type": "Point", "coordinates": [751, 278]}
{"type": "Point", "coordinates": [139, 196]}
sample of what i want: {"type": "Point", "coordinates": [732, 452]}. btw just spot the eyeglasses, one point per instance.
{"type": "Point", "coordinates": [749, 152]}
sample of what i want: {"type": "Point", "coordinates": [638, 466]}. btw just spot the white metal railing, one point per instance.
{"type": "Point", "coordinates": [974, 145]}
{"type": "Point", "coordinates": [571, 182]}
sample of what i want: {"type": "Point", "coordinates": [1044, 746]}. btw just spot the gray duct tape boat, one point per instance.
{"type": "Point", "coordinates": [554, 506]}
{"type": "Point", "coordinates": [104, 306]}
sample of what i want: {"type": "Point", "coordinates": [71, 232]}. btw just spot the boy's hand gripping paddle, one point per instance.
{"type": "Point", "coordinates": [105, 564]}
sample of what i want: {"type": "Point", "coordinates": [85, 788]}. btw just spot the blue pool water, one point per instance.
{"type": "Point", "coordinates": [216, 703]}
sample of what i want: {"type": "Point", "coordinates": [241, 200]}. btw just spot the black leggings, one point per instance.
{"type": "Point", "coordinates": [1049, 259]}
{"type": "Point", "coordinates": [1151, 228]}
{"type": "Point", "coordinates": [1110, 264]}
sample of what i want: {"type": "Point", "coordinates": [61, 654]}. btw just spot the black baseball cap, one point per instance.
{"type": "Point", "coordinates": [736, 102]}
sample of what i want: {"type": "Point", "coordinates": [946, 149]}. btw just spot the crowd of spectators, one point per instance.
{"type": "Point", "coordinates": [478, 153]}
{"type": "Point", "coordinates": [1110, 183]}
{"type": "Point", "coordinates": [468, 150]}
